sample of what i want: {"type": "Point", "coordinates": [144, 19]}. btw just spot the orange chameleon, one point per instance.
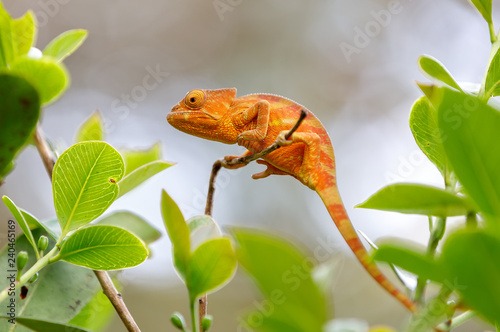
{"type": "Point", "coordinates": [255, 122]}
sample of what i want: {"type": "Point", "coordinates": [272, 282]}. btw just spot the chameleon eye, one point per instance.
{"type": "Point", "coordinates": [195, 99]}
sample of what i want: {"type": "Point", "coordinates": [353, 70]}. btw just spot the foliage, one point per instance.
{"type": "Point", "coordinates": [28, 79]}
{"type": "Point", "coordinates": [86, 179]}
{"type": "Point", "coordinates": [285, 277]}
{"type": "Point", "coordinates": [455, 128]}
{"type": "Point", "coordinates": [203, 257]}
{"type": "Point", "coordinates": [458, 130]}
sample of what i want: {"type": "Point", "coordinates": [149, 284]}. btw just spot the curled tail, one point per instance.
{"type": "Point", "coordinates": [333, 202]}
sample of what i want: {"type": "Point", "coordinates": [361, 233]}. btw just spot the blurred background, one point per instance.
{"type": "Point", "coordinates": [352, 63]}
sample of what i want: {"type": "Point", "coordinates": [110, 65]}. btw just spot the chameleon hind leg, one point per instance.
{"type": "Point", "coordinates": [311, 156]}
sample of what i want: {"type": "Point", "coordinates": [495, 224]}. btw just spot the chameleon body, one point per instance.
{"type": "Point", "coordinates": [255, 121]}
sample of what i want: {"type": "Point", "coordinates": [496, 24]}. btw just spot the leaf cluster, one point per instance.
{"type": "Point", "coordinates": [458, 130]}
{"type": "Point", "coordinates": [87, 178]}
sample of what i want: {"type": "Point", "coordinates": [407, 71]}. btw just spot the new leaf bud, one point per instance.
{"type": "Point", "coordinates": [206, 323]}
{"type": "Point", "coordinates": [178, 320]}
{"type": "Point", "coordinates": [43, 242]}
{"type": "Point", "coordinates": [22, 259]}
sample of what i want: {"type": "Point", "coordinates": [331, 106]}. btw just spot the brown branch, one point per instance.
{"type": "Point", "coordinates": [44, 150]}
{"type": "Point", "coordinates": [202, 302]}
{"type": "Point", "coordinates": [108, 287]}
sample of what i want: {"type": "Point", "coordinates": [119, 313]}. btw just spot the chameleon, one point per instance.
{"type": "Point", "coordinates": [256, 121]}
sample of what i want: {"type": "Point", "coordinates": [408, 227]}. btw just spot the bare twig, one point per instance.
{"type": "Point", "coordinates": [211, 186]}
{"type": "Point", "coordinates": [108, 288]}
{"type": "Point", "coordinates": [44, 150]}
{"type": "Point", "coordinates": [107, 284]}
{"type": "Point", "coordinates": [202, 307]}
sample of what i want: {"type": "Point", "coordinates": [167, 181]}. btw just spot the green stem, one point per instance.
{"type": "Point", "coordinates": [471, 220]}
{"type": "Point", "coordinates": [437, 232]}
{"type": "Point", "coordinates": [483, 94]}
{"type": "Point", "coordinates": [194, 315]}
{"type": "Point", "coordinates": [40, 264]}
{"type": "Point", "coordinates": [457, 321]}
{"type": "Point", "coordinates": [493, 37]}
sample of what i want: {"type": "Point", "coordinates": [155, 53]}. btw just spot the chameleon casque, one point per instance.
{"type": "Point", "coordinates": [255, 121]}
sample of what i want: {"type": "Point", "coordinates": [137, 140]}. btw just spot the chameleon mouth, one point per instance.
{"type": "Point", "coordinates": [185, 120]}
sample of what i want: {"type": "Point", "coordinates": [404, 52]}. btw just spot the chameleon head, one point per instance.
{"type": "Point", "coordinates": [200, 111]}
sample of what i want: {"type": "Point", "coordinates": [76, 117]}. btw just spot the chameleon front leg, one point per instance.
{"type": "Point", "coordinates": [259, 110]}
{"type": "Point", "coordinates": [231, 157]}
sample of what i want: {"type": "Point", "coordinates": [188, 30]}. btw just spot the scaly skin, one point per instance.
{"type": "Point", "coordinates": [255, 122]}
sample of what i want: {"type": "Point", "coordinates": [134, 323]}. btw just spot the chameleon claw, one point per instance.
{"type": "Point", "coordinates": [227, 159]}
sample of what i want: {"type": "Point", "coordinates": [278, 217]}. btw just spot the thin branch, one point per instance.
{"type": "Point", "coordinates": [458, 320]}
{"type": "Point", "coordinates": [44, 150]}
{"type": "Point", "coordinates": [107, 285]}
{"type": "Point", "coordinates": [108, 288]}
{"type": "Point", "coordinates": [202, 309]}
{"type": "Point", "coordinates": [211, 186]}
{"type": "Point", "coordinates": [202, 302]}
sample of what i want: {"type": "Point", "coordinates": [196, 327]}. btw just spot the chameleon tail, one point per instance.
{"type": "Point", "coordinates": [333, 202]}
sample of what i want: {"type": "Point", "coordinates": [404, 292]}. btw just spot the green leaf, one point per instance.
{"type": "Point", "coordinates": [51, 227]}
{"type": "Point", "coordinates": [24, 33]}
{"type": "Point", "coordinates": [6, 40]}
{"type": "Point", "coordinates": [424, 126]}
{"type": "Point", "coordinates": [96, 315]}
{"type": "Point", "coordinates": [132, 223]}
{"type": "Point", "coordinates": [436, 70]}
{"type": "Point", "coordinates": [284, 278]}
{"type": "Point", "coordinates": [84, 183]}
{"type": "Point", "coordinates": [47, 76]}
{"type": "Point", "coordinates": [21, 222]}
{"type": "Point", "coordinates": [91, 129]}
{"type": "Point", "coordinates": [410, 260]}
{"type": "Point", "coordinates": [210, 266]}
{"type": "Point", "coordinates": [141, 174]}
{"type": "Point", "coordinates": [471, 140]}
{"type": "Point", "coordinates": [202, 229]}
{"type": "Point", "coordinates": [417, 199]}
{"type": "Point", "coordinates": [103, 248]}
{"type": "Point", "coordinates": [60, 293]}
{"type": "Point", "coordinates": [16, 36]}
{"type": "Point", "coordinates": [19, 112]}
{"type": "Point", "coordinates": [492, 80]}
{"type": "Point", "coordinates": [471, 259]}
{"type": "Point", "coordinates": [178, 233]}
{"type": "Point", "coordinates": [65, 44]}
{"type": "Point", "coordinates": [484, 8]}
{"type": "Point", "coordinates": [137, 158]}
{"type": "Point", "coordinates": [38, 325]}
